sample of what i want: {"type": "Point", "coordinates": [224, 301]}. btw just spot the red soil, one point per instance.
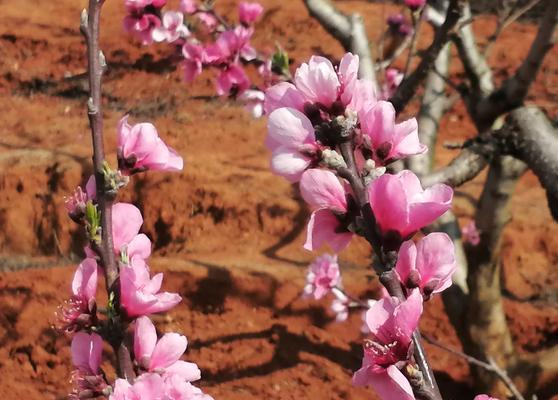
{"type": "Point", "coordinates": [230, 232]}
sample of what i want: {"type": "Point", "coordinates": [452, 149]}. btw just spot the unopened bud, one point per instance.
{"type": "Point", "coordinates": [84, 19]}
{"type": "Point", "coordinates": [333, 159]}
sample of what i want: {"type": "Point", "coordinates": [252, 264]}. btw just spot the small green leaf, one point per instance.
{"type": "Point", "coordinates": [93, 222]}
{"type": "Point", "coordinates": [280, 62]}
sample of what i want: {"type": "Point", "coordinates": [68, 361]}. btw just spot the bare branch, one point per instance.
{"type": "Point", "coordinates": [431, 110]}
{"type": "Point", "coordinates": [463, 168]}
{"type": "Point", "coordinates": [90, 28]}
{"type": "Point", "coordinates": [349, 31]}
{"type": "Point", "coordinates": [491, 366]}
{"type": "Point", "coordinates": [408, 87]}
{"type": "Point", "coordinates": [513, 91]}
{"type": "Point", "coordinates": [474, 63]}
{"type": "Point", "coordinates": [530, 136]}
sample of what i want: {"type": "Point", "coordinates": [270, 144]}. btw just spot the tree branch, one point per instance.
{"type": "Point", "coordinates": [408, 87]}
{"type": "Point", "coordinates": [349, 31]}
{"type": "Point", "coordinates": [90, 28]}
{"type": "Point", "coordinates": [513, 91]}
{"type": "Point", "coordinates": [491, 366]}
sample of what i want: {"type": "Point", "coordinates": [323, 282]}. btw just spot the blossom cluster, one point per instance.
{"type": "Point", "coordinates": [206, 40]}
{"type": "Point", "coordinates": [311, 121]}
{"type": "Point", "coordinates": [156, 361]}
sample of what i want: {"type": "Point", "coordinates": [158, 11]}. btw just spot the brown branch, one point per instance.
{"type": "Point", "coordinates": [474, 63]}
{"type": "Point", "coordinates": [491, 366]}
{"type": "Point", "coordinates": [90, 28]}
{"type": "Point", "coordinates": [408, 87]}
{"type": "Point", "coordinates": [349, 31]}
{"type": "Point", "coordinates": [486, 325]}
{"type": "Point", "coordinates": [513, 91]}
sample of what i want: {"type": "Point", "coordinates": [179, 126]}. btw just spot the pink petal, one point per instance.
{"type": "Point", "coordinates": [436, 260]}
{"type": "Point", "coordinates": [283, 94]}
{"type": "Point", "coordinates": [168, 350]}
{"type": "Point", "coordinates": [348, 74]}
{"type": "Point", "coordinates": [289, 164]}
{"type": "Point", "coordinates": [389, 203]}
{"type": "Point", "coordinates": [289, 127]}
{"type": "Point", "coordinates": [434, 202]}
{"type": "Point", "coordinates": [126, 223]}
{"type": "Point", "coordinates": [391, 384]}
{"type": "Point", "coordinates": [406, 260]}
{"type": "Point", "coordinates": [317, 81]}
{"type": "Point", "coordinates": [321, 189]}
{"type": "Point", "coordinates": [322, 229]}
{"type": "Point", "coordinates": [154, 285]}
{"type": "Point", "coordinates": [363, 97]}
{"type": "Point", "coordinates": [407, 315]}
{"type": "Point", "coordinates": [123, 130]}
{"type": "Point", "coordinates": [84, 284]}
{"type": "Point", "coordinates": [139, 246]}
{"type": "Point", "coordinates": [186, 370]}
{"type": "Point", "coordinates": [378, 124]}
{"type": "Point", "coordinates": [145, 339]}
{"type": "Point", "coordinates": [249, 12]}
{"type": "Point", "coordinates": [87, 352]}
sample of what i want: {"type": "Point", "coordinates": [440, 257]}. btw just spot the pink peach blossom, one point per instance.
{"type": "Point", "coordinates": [391, 324]}
{"type": "Point", "coordinates": [389, 141]}
{"type": "Point", "coordinates": [253, 102]}
{"type": "Point", "coordinates": [363, 97]}
{"type": "Point", "coordinates": [348, 76]}
{"type": "Point", "coordinates": [292, 142]}
{"type": "Point", "coordinates": [141, 24]}
{"type": "Point", "coordinates": [171, 29]}
{"type": "Point", "coordinates": [140, 293]}
{"type": "Point", "coordinates": [138, 4]}
{"type": "Point", "coordinates": [84, 284]}
{"type": "Point", "coordinates": [470, 233]}
{"type": "Point", "coordinates": [393, 79]}
{"type": "Point", "coordinates": [140, 148]}
{"type": "Point", "coordinates": [194, 56]}
{"type": "Point", "coordinates": [76, 312]}
{"type": "Point", "coordinates": [484, 397]}
{"type": "Point", "coordinates": [163, 355]}
{"type": "Point", "coordinates": [323, 275]}
{"type": "Point", "coordinates": [86, 357]}
{"type": "Point", "coordinates": [208, 19]}
{"type": "Point", "coordinates": [126, 223]}
{"type": "Point", "coordinates": [249, 12]}
{"type": "Point", "coordinates": [318, 81]}
{"type": "Point", "coordinates": [430, 263]}
{"type": "Point", "coordinates": [324, 193]}
{"type": "Point", "coordinates": [400, 204]}
{"type": "Point", "coordinates": [232, 80]}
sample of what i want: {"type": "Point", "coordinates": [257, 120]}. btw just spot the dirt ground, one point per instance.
{"type": "Point", "coordinates": [226, 231]}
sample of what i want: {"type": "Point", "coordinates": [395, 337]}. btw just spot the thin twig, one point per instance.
{"type": "Point", "coordinates": [491, 366]}
{"type": "Point", "coordinates": [90, 28]}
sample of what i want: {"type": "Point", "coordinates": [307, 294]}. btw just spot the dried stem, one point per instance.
{"type": "Point", "coordinates": [90, 28]}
